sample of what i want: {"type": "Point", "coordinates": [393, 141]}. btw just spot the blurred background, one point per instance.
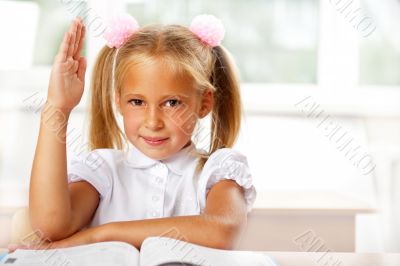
{"type": "Point", "coordinates": [320, 87]}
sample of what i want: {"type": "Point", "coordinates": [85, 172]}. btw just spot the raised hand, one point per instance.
{"type": "Point", "coordinates": [67, 78]}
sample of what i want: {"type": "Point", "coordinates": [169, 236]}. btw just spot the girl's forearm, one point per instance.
{"type": "Point", "coordinates": [203, 230]}
{"type": "Point", "coordinates": [49, 202]}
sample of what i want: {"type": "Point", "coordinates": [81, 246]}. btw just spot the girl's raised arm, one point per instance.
{"type": "Point", "coordinates": [51, 201]}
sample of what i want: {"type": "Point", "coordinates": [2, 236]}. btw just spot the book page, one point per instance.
{"type": "Point", "coordinates": [156, 251]}
{"type": "Point", "coordinates": [99, 254]}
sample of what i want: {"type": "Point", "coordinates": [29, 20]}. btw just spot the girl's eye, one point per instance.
{"type": "Point", "coordinates": [173, 102]}
{"type": "Point", "coordinates": [136, 102]}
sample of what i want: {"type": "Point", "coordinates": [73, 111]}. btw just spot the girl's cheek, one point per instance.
{"type": "Point", "coordinates": [132, 120]}
{"type": "Point", "coordinates": [183, 121]}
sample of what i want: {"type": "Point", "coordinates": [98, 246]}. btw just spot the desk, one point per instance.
{"type": "Point", "coordinates": [335, 259]}
{"type": "Point", "coordinates": [282, 221]}
{"type": "Point", "coordinates": [331, 259]}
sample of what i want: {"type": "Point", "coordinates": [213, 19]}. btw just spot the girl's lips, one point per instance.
{"type": "Point", "coordinates": [153, 138]}
{"type": "Point", "coordinates": [154, 141]}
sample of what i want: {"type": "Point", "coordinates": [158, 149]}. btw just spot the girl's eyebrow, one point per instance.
{"type": "Point", "coordinates": [163, 97]}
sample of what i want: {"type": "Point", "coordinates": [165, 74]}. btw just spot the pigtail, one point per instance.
{"type": "Point", "coordinates": [104, 131]}
{"type": "Point", "coordinates": [227, 110]}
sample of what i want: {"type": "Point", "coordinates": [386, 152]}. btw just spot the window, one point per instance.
{"type": "Point", "coordinates": [54, 19]}
{"type": "Point", "coordinates": [380, 51]}
{"type": "Point", "coordinates": [277, 45]}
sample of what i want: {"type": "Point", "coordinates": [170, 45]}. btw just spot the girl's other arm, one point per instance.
{"type": "Point", "coordinates": [219, 226]}
{"type": "Point", "coordinates": [53, 205]}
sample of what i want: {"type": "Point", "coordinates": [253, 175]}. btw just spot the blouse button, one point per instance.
{"type": "Point", "coordinates": [155, 198]}
{"type": "Point", "coordinates": [159, 166]}
{"type": "Point", "coordinates": [161, 169]}
{"type": "Point", "coordinates": [159, 180]}
{"type": "Point", "coordinates": [155, 213]}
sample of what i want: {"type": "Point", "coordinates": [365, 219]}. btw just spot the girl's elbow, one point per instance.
{"type": "Point", "coordinates": [230, 232]}
{"type": "Point", "coordinates": [49, 230]}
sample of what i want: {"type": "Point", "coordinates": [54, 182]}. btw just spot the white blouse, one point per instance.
{"type": "Point", "coordinates": [133, 186]}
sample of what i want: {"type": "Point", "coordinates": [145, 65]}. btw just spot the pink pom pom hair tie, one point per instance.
{"type": "Point", "coordinates": [119, 30]}
{"type": "Point", "coordinates": [208, 28]}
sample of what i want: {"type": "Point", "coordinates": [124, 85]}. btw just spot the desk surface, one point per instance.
{"type": "Point", "coordinates": [331, 258]}
{"type": "Point", "coordinates": [335, 259]}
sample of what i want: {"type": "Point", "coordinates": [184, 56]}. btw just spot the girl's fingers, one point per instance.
{"type": "Point", "coordinates": [62, 52]}
{"type": "Point", "coordinates": [78, 36]}
{"type": "Point", "coordinates": [74, 67]}
{"type": "Point", "coordinates": [68, 56]}
{"type": "Point", "coordinates": [80, 45]}
{"type": "Point", "coordinates": [71, 43]}
{"type": "Point", "coordinates": [67, 65]}
{"type": "Point", "coordinates": [82, 69]}
{"type": "Point", "coordinates": [12, 247]}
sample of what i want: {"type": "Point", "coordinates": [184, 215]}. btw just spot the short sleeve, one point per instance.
{"type": "Point", "coordinates": [223, 164]}
{"type": "Point", "coordinates": [93, 168]}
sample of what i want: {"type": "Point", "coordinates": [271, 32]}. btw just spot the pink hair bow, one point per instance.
{"type": "Point", "coordinates": [119, 30]}
{"type": "Point", "coordinates": [208, 28]}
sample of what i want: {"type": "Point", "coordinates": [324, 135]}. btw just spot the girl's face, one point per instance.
{"type": "Point", "coordinates": [160, 109]}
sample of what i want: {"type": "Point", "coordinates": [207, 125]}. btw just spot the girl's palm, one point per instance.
{"type": "Point", "coordinates": [67, 78]}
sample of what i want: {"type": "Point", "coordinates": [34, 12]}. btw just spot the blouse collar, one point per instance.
{"type": "Point", "coordinates": [176, 162]}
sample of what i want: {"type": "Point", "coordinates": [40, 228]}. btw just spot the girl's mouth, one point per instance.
{"type": "Point", "coordinates": [154, 141]}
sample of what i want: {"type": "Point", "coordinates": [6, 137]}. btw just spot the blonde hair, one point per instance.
{"type": "Point", "coordinates": [210, 68]}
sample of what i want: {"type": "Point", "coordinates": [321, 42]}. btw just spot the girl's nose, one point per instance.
{"type": "Point", "coordinates": [154, 119]}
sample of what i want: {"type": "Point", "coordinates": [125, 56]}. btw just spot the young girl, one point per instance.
{"type": "Point", "coordinates": [149, 179]}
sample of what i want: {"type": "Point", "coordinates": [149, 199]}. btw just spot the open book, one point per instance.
{"type": "Point", "coordinates": [155, 251]}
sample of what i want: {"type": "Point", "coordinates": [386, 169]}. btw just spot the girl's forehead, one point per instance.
{"type": "Point", "coordinates": [156, 78]}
